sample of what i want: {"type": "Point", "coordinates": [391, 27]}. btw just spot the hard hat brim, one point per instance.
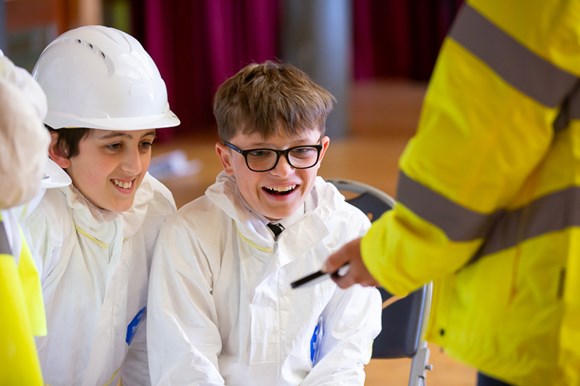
{"type": "Point", "coordinates": [64, 121]}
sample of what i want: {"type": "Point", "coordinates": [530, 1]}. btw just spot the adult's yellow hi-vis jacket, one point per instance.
{"type": "Point", "coordinates": [489, 194]}
{"type": "Point", "coordinates": [21, 308]}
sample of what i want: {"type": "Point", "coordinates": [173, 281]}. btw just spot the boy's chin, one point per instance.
{"type": "Point", "coordinates": [279, 215]}
{"type": "Point", "coordinates": [120, 207]}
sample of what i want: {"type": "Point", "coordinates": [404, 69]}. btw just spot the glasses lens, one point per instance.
{"type": "Point", "coordinates": [261, 159]}
{"type": "Point", "coordinates": [303, 157]}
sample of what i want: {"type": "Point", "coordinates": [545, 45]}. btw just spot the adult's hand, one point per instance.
{"type": "Point", "coordinates": [357, 273]}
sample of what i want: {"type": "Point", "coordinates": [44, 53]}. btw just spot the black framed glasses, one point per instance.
{"type": "Point", "coordinates": [263, 160]}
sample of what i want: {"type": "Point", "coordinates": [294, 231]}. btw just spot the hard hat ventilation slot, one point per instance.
{"type": "Point", "coordinates": [92, 48]}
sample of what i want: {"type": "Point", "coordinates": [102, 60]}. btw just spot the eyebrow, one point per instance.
{"type": "Point", "coordinates": [296, 142]}
{"type": "Point", "coordinates": [116, 134]}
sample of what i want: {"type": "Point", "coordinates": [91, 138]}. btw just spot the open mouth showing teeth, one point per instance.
{"type": "Point", "coordinates": [280, 190]}
{"type": "Point", "coordinates": [123, 184]}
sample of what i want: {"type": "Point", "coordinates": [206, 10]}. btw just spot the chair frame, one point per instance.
{"type": "Point", "coordinates": [405, 317]}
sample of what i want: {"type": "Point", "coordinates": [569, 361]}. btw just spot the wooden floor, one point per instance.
{"type": "Point", "coordinates": [383, 116]}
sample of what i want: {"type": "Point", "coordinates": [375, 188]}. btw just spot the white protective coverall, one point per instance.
{"type": "Point", "coordinates": [221, 309]}
{"type": "Point", "coordinates": [94, 268]}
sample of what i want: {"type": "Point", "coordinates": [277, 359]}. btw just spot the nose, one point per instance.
{"type": "Point", "coordinates": [132, 161]}
{"type": "Point", "coordinates": [283, 167]}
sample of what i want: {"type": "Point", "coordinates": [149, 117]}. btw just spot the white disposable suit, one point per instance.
{"type": "Point", "coordinates": [221, 308]}
{"type": "Point", "coordinates": [94, 267]}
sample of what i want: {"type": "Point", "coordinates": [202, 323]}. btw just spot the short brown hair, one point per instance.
{"type": "Point", "coordinates": [68, 140]}
{"type": "Point", "coordinates": [268, 97]}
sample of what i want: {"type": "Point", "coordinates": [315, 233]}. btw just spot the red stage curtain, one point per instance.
{"type": "Point", "coordinates": [197, 44]}
{"type": "Point", "coordinates": [399, 39]}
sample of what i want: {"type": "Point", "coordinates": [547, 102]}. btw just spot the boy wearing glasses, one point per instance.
{"type": "Point", "coordinates": [221, 308]}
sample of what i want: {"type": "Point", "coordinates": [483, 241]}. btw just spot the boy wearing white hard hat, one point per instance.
{"type": "Point", "coordinates": [93, 239]}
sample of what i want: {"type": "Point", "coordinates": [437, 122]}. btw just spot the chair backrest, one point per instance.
{"type": "Point", "coordinates": [403, 320]}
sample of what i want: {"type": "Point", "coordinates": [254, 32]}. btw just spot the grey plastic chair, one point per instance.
{"type": "Point", "coordinates": [404, 320]}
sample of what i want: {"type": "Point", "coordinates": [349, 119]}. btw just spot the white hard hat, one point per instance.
{"type": "Point", "coordinates": [101, 78]}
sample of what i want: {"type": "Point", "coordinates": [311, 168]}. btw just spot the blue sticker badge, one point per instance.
{"type": "Point", "coordinates": [134, 324]}
{"type": "Point", "coordinates": [315, 342]}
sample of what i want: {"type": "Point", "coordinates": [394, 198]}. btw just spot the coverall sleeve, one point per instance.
{"type": "Point", "coordinates": [350, 322]}
{"type": "Point", "coordinates": [47, 245]}
{"type": "Point", "coordinates": [135, 370]}
{"type": "Point", "coordinates": [180, 312]}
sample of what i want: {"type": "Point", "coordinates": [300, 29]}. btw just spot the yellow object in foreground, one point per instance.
{"type": "Point", "coordinates": [22, 313]}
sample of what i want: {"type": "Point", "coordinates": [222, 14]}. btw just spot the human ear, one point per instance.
{"type": "Point", "coordinates": [56, 153]}
{"type": "Point", "coordinates": [225, 157]}
{"type": "Point", "coordinates": [325, 142]}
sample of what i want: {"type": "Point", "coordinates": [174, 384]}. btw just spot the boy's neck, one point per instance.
{"type": "Point", "coordinates": [287, 221]}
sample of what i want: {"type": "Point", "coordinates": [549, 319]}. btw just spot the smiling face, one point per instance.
{"type": "Point", "coordinates": [109, 167]}
{"type": "Point", "coordinates": [279, 192]}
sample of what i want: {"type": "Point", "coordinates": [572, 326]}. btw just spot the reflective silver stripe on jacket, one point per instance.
{"type": "Point", "coordinates": [458, 222]}
{"type": "Point", "coordinates": [554, 212]}
{"type": "Point", "coordinates": [503, 229]}
{"type": "Point", "coordinates": [526, 71]}
{"type": "Point", "coordinates": [570, 109]}
{"type": "Point", "coordinates": [4, 244]}
{"type": "Point", "coordinates": [573, 107]}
